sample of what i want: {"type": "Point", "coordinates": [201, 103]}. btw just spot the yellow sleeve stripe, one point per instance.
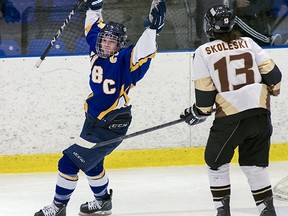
{"type": "Point", "coordinates": [140, 62]}
{"type": "Point", "coordinates": [100, 25]}
{"type": "Point", "coordinates": [266, 67]}
{"type": "Point", "coordinates": [87, 29]}
{"type": "Point", "coordinates": [204, 84]}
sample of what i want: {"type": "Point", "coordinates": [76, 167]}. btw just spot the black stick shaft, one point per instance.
{"type": "Point", "coordinates": [59, 32]}
{"type": "Point", "coordinates": [104, 143]}
{"type": "Point", "coordinates": [107, 142]}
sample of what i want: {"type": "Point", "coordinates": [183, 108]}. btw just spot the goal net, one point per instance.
{"type": "Point", "coordinates": [40, 23]}
{"type": "Point", "coordinates": [281, 189]}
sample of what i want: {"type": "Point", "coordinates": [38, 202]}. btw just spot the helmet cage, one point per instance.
{"type": "Point", "coordinates": [218, 19]}
{"type": "Point", "coordinates": [114, 31]}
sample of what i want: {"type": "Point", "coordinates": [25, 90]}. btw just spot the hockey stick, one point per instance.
{"type": "Point", "coordinates": [107, 142]}
{"type": "Point", "coordinates": [59, 32]}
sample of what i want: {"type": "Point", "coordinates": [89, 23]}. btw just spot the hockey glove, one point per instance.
{"type": "Point", "coordinates": [192, 116]}
{"type": "Point", "coordinates": [94, 4]}
{"type": "Point", "coordinates": [156, 16]}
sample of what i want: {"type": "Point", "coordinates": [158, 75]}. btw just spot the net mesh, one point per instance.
{"type": "Point", "coordinates": [40, 24]}
{"type": "Point", "coordinates": [281, 189]}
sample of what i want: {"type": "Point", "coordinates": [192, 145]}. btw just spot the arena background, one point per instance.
{"type": "Point", "coordinates": [41, 110]}
{"type": "Point", "coordinates": [39, 20]}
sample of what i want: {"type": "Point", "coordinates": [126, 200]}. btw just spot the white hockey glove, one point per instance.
{"type": "Point", "coordinates": [94, 4]}
{"type": "Point", "coordinates": [156, 16]}
{"type": "Point", "coordinates": [192, 116]}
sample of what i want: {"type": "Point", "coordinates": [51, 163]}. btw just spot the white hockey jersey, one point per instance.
{"type": "Point", "coordinates": [236, 77]}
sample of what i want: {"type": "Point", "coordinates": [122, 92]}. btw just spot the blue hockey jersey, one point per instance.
{"type": "Point", "coordinates": [112, 78]}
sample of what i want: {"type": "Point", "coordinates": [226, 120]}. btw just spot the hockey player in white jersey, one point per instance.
{"type": "Point", "coordinates": [237, 76]}
{"type": "Point", "coordinates": [115, 70]}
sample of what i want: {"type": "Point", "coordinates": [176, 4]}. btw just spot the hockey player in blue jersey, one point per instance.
{"type": "Point", "coordinates": [114, 71]}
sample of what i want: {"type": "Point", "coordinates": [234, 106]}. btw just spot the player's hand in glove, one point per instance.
{"type": "Point", "coordinates": [156, 16]}
{"type": "Point", "coordinates": [94, 4]}
{"type": "Point", "coordinates": [192, 116]}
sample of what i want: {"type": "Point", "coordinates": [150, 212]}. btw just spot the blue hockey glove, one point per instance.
{"type": "Point", "coordinates": [192, 116]}
{"type": "Point", "coordinates": [156, 16]}
{"type": "Point", "coordinates": [94, 4]}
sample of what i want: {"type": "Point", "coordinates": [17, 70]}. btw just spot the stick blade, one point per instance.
{"type": "Point", "coordinates": [38, 63]}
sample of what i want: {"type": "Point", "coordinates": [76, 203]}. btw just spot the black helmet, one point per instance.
{"type": "Point", "coordinates": [114, 30]}
{"type": "Point", "coordinates": [218, 19]}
